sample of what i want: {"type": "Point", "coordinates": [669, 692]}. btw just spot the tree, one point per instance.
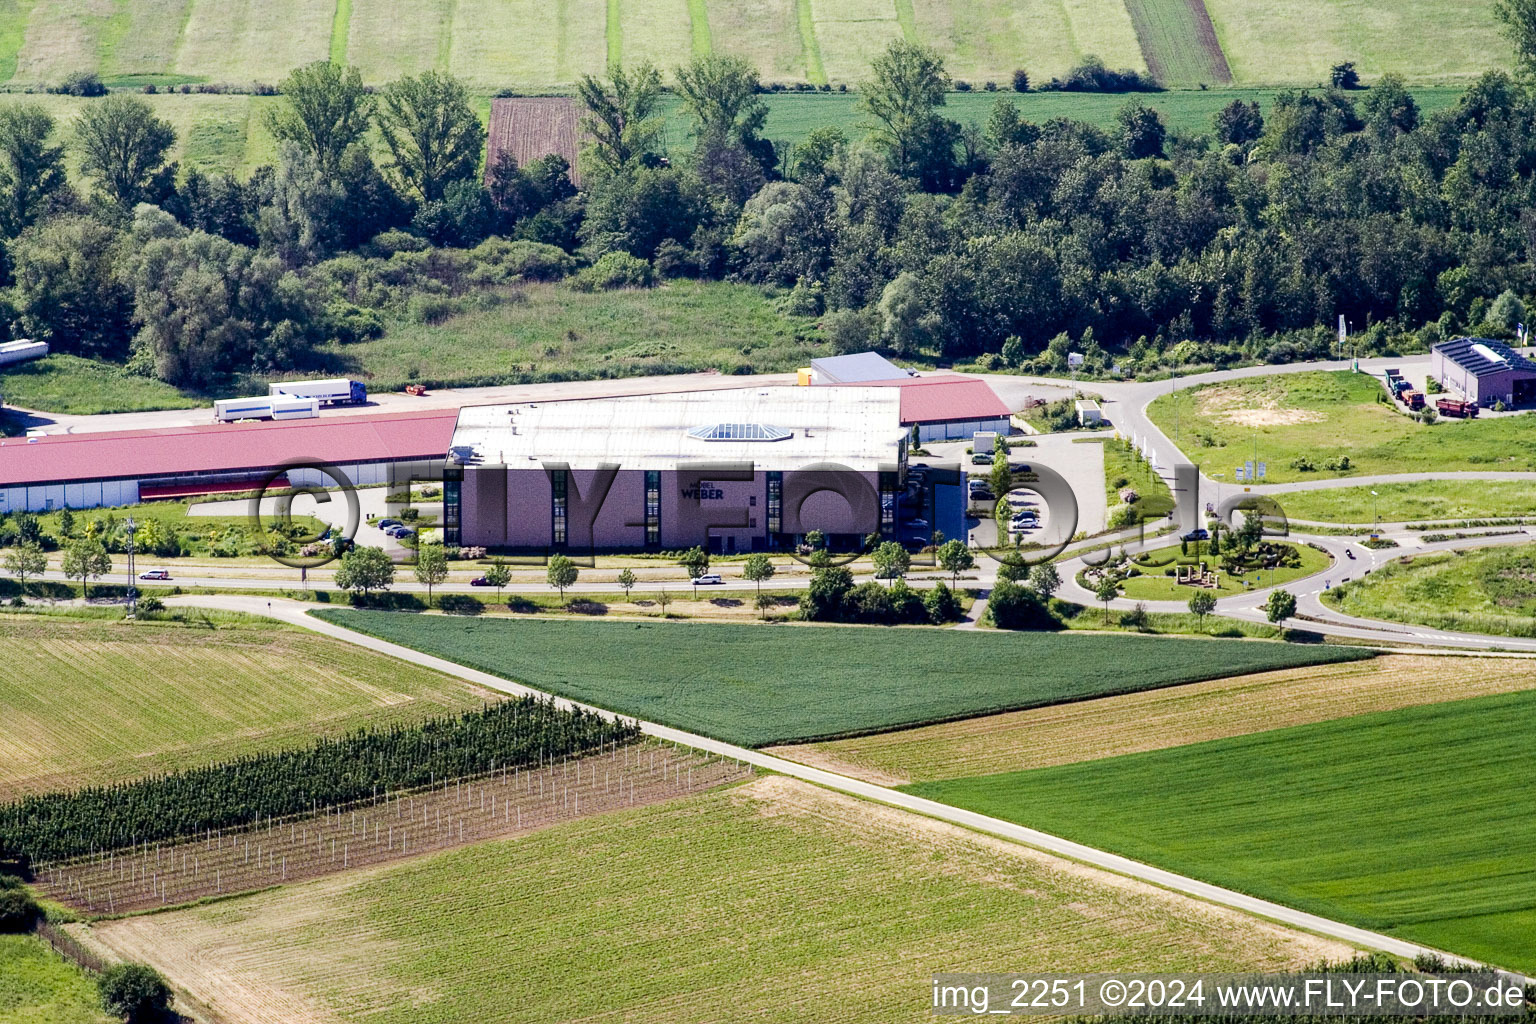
{"type": "Point", "coordinates": [432, 132]}
{"type": "Point", "coordinates": [1390, 108]}
{"type": "Point", "coordinates": [627, 581]}
{"type": "Point", "coordinates": [26, 559]}
{"type": "Point", "coordinates": [325, 109]}
{"type": "Point", "coordinates": [759, 569]}
{"type": "Point", "coordinates": [31, 168]}
{"type": "Point", "coordinates": [68, 291]}
{"type": "Point", "coordinates": [1344, 76]}
{"type": "Point", "coordinates": [1239, 123]}
{"type": "Point", "coordinates": [122, 145]}
{"type": "Point", "coordinates": [1519, 18]}
{"type": "Point", "coordinates": [941, 604]}
{"type": "Point", "coordinates": [1507, 311]}
{"type": "Point", "coordinates": [85, 560]}
{"type": "Point", "coordinates": [1000, 477]}
{"type": "Point", "coordinates": [1201, 604]}
{"type": "Point", "coordinates": [498, 576]}
{"type": "Point", "coordinates": [1142, 132]}
{"type": "Point", "coordinates": [1106, 590]}
{"type": "Point", "coordinates": [621, 115]}
{"type": "Point", "coordinates": [67, 522]}
{"type": "Point", "coordinates": [1012, 606]}
{"type": "Point", "coordinates": [663, 598]}
{"type": "Point", "coordinates": [562, 573]}
{"type": "Point", "coordinates": [135, 992]}
{"type": "Point", "coordinates": [365, 569]}
{"type": "Point", "coordinates": [431, 567]}
{"type": "Point", "coordinates": [823, 599]}
{"type": "Point", "coordinates": [1045, 580]}
{"type": "Point", "coordinates": [955, 558]}
{"type": "Point", "coordinates": [1280, 606]}
{"type": "Point", "coordinates": [1020, 80]}
{"type": "Point", "coordinates": [907, 86]}
{"type": "Point", "coordinates": [18, 911]}
{"type": "Point", "coordinates": [720, 93]}
{"type": "Point", "coordinates": [891, 560]}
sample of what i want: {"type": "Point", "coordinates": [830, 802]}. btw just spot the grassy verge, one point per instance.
{"type": "Point", "coordinates": [776, 899]}
{"type": "Point", "coordinates": [1428, 500]}
{"type": "Point", "coordinates": [1325, 417]}
{"type": "Point", "coordinates": [1124, 468]}
{"type": "Point", "coordinates": [83, 387]}
{"type": "Point", "coordinates": [37, 986]}
{"type": "Point", "coordinates": [92, 700]}
{"type": "Point", "coordinates": [755, 685]}
{"type": "Point", "coordinates": [1488, 590]}
{"type": "Point", "coordinates": [1417, 822]}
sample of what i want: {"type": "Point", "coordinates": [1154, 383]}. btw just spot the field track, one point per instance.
{"type": "Point", "coordinates": [1179, 42]}
{"type": "Point", "coordinates": [392, 828]}
{"type": "Point", "coordinates": [1158, 719]}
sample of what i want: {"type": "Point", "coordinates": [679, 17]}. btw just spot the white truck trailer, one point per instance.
{"type": "Point", "coordinates": [21, 351]}
{"type": "Point", "coordinates": [337, 391]}
{"type": "Point", "coordinates": [265, 407]}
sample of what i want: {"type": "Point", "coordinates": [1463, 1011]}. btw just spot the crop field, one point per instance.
{"type": "Point", "coordinates": [1324, 416]}
{"type": "Point", "coordinates": [1179, 42]}
{"type": "Point", "coordinates": [756, 685]}
{"type": "Point", "coordinates": [1159, 719]}
{"type": "Point", "coordinates": [1417, 822]}
{"type": "Point", "coordinates": [775, 899]}
{"type": "Point", "coordinates": [529, 127]}
{"type": "Point", "coordinates": [388, 828]}
{"type": "Point", "coordinates": [1421, 501]}
{"type": "Point", "coordinates": [1153, 585]}
{"type": "Point", "coordinates": [1300, 40]}
{"type": "Point", "coordinates": [1491, 590]}
{"type": "Point", "coordinates": [102, 701]}
{"type": "Point", "coordinates": [37, 986]}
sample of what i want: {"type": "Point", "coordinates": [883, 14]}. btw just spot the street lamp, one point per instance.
{"type": "Point", "coordinates": [131, 527]}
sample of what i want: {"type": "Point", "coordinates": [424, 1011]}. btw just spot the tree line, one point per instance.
{"type": "Point", "coordinates": [1009, 242]}
{"type": "Point", "coordinates": [362, 764]}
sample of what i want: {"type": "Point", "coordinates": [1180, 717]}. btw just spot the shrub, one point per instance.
{"type": "Point", "coordinates": [614, 270]}
{"type": "Point", "coordinates": [17, 911]}
{"type": "Point", "coordinates": [1020, 80]}
{"type": "Point", "coordinates": [1303, 464]}
{"type": "Point", "coordinates": [147, 605]}
{"type": "Point", "coordinates": [531, 261]}
{"type": "Point", "coordinates": [1122, 516]}
{"type": "Point", "coordinates": [80, 83]}
{"type": "Point", "coordinates": [135, 992]}
{"type": "Point", "coordinates": [942, 605]}
{"type": "Point", "coordinates": [1015, 606]}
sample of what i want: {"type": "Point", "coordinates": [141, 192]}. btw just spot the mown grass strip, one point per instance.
{"type": "Point", "coordinates": [815, 73]}
{"type": "Point", "coordinates": [698, 22]}
{"type": "Point", "coordinates": [341, 24]}
{"type": "Point", "coordinates": [13, 31]}
{"type": "Point", "coordinates": [907, 18]}
{"type": "Point", "coordinates": [1417, 822]}
{"type": "Point", "coordinates": [614, 34]}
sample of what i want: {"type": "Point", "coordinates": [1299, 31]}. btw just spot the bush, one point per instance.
{"type": "Point", "coordinates": [1015, 606]}
{"type": "Point", "coordinates": [135, 992]}
{"type": "Point", "coordinates": [17, 911]}
{"type": "Point", "coordinates": [531, 261]}
{"type": "Point", "coordinates": [942, 605]}
{"type": "Point", "coordinates": [614, 270]}
{"type": "Point", "coordinates": [80, 83]}
{"type": "Point", "coordinates": [1122, 516]}
{"type": "Point", "coordinates": [149, 604]}
{"type": "Point", "coordinates": [1303, 464]}
{"type": "Point", "coordinates": [1020, 80]}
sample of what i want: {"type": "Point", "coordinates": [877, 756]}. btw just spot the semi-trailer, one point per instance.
{"type": "Point", "coordinates": [21, 351]}
{"type": "Point", "coordinates": [336, 391]}
{"type": "Point", "coordinates": [1456, 407]}
{"type": "Point", "coordinates": [265, 407]}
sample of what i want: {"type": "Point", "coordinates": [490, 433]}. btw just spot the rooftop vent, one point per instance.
{"type": "Point", "coordinates": [739, 432]}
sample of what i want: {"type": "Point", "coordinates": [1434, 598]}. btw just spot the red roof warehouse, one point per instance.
{"type": "Point", "coordinates": [948, 408]}
{"type": "Point", "coordinates": [86, 470]}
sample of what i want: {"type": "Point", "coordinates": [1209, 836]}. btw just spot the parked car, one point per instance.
{"type": "Point", "coordinates": [918, 525]}
{"type": "Point", "coordinates": [708, 578]}
{"type": "Point", "coordinates": [479, 581]}
{"type": "Point", "coordinates": [981, 459]}
{"type": "Point", "coordinates": [385, 524]}
{"type": "Point", "coordinates": [982, 494]}
{"type": "Point", "coordinates": [155, 574]}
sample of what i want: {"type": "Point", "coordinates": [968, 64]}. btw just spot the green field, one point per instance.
{"type": "Point", "coordinates": [98, 701]}
{"type": "Point", "coordinates": [1328, 415]}
{"type": "Point", "coordinates": [1417, 822]}
{"type": "Point", "coordinates": [770, 901]}
{"type": "Point", "coordinates": [70, 384]}
{"type": "Point", "coordinates": [755, 685]}
{"type": "Point", "coordinates": [553, 332]}
{"type": "Point", "coordinates": [37, 986]}
{"type": "Point", "coordinates": [1153, 585]}
{"type": "Point", "coordinates": [1425, 501]}
{"type": "Point", "coordinates": [1488, 590]}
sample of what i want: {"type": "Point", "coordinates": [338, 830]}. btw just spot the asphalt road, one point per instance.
{"type": "Point", "coordinates": [295, 613]}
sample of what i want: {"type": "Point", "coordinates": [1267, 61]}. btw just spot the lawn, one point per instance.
{"type": "Point", "coordinates": [1427, 501]}
{"type": "Point", "coordinates": [1417, 822]}
{"type": "Point", "coordinates": [99, 701]}
{"type": "Point", "coordinates": [554, 333]}
{"type": "Point", "coordinates": [1159, 719]}
{"type": "Point", "coordinates": [1153, 585]}
{"type": "Point", "coordinates": [771, 901]}
{"type": "Point", "coordinates": [1488, 590]}
{"type": "Point", "coordinates": [231, 536]}
{"type": "Point", "coordinates": [1123, 469]}
{"type": "Point", "coordinates": [1326, 416]}
{"type": "Point", "coordinates": [74, 385]}
{"type": "Point", "coordinates": [37, 986]}
{"type": "Point", "coordinates": [1300, 40]}
{"type": "Point", "coordinates": [755, 685]}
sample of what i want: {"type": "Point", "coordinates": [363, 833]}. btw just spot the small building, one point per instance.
{"type": "Point", "coordinates": [1484, 371]}
{"type": "Point", "coordinates": [952, 408]}
{"type": "Point", "coordinates": [1089, 413]}
{"type": "Point", "coordinates": [856, 368]}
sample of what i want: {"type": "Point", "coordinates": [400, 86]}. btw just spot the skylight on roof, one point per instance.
{"type": "Point", "coordinates": [739, 432]}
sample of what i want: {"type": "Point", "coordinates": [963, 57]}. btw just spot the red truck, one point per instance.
{"type": "Point", "coordinates": [1456, 407]}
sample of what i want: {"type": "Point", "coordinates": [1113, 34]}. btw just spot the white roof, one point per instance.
{"type": "Point", "coordinates": [856, 427]}
{"type": "Point", "coordinates": [1084, 404]}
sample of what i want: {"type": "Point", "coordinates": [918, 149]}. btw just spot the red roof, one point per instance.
{"type": "Point", "coordinates": [225, 447]}
{"type": "Point", "coordinates": [935, 399]}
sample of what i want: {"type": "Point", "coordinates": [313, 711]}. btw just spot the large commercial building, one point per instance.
{"type": "Point", "coordinates": [1484, 371]}
{"type": "Point", "coordinates": [745, 469]}
{"type": "Point", "coordinates": [942, 407]}
{"type": "Point", "coordinates": [39, 474]}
